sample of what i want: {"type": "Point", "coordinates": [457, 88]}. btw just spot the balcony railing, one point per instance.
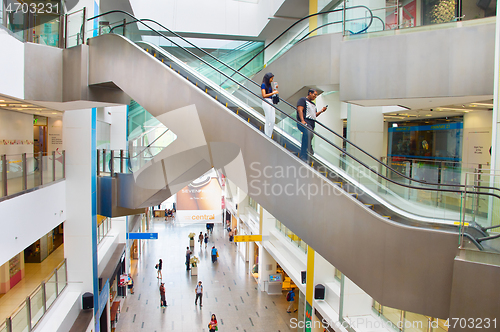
{"type": "Point", "coordinates": [31, 311]}
{"type": "Point", "coordinates": [28, 171]}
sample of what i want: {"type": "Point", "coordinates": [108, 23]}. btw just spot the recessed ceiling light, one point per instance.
{"type": "Point", "coordinates": [1, 100]}
{"type": "Point", "coordinates": [428, 115]}
{"type": "Point", "coordinates": [54, 113]}
{"type": "Point", "coordinates": [24, 105]}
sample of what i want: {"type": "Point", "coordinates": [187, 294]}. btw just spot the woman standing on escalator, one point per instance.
{"type": "Point", "coordinates": [267, 92]}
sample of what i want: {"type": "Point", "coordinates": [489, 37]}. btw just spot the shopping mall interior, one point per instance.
{"type": "Point", "coordinates": [357, 190]}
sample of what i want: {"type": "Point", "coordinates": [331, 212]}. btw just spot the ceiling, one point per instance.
{"type": "Point", "coordinates": [22, 106]}
{"type": "Point", "coordinates": [439, 112]}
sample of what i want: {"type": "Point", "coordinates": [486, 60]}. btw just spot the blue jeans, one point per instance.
{"type": "Point", "coordinates": [306, 147]}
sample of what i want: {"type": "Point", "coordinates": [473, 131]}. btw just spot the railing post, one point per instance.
{"type": "Point", "coordinates": [25, 172]}
{"type": "Point", "coordinates": [98, 162]}
{"type": "Point", "coordinates": [44, 297]}
{"type": "Point", "coordinates": [112, 165]}
{"type": "Point", "coordinates": [65, 30]}
{"type": "Point", "coordinates": [28, 312]}
{"type": "Point", "coordinates": [8, 324]}
{"type": "Point", "coordinates": [84, 24]}
{"type": "Point", "coordinates": [104, 160]}
{"type": "Point", "coordinates": [4, 175]}
{"type": "Point", "coordinates": [57, 284]}
{"type": "Point", "coordinates": [124, 26]}
{"type": "Point", "coordinates": [64, 164]}
{"type": "Point", "coordinates": [53, 166]}
{"type": "Point", "coordinates": [343, 17]}
{"type": "Point", "coordinates": [40, 166]}
{"type": "Point", "coordinates": [121, 161]}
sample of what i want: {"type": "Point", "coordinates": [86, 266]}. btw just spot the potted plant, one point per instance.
{"type": "Point", "coordinates": [191, 239]}
{"type": "Point", "coordinates": [194, 265]}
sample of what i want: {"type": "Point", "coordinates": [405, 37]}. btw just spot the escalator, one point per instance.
{"type": "Point", "coordinates": [354, 216]}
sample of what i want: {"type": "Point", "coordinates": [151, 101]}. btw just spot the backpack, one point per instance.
{"type": "Point", "coordinates": [288, 296]}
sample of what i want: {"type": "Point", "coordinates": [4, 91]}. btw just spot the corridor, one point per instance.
{"type": "Point", "coordinates": [229, 290]}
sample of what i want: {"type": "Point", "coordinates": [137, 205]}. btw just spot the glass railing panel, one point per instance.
{"type": "Point", "coordinates": [61, 278]}
{"type": "Point", "coordinates": [36, 301]}
{"type": "Point", "coordinates": [59, 166]}
{"type": "Point", "coordinates": [416, 322]}
{"type": "Point", "coordinates": [14, 174]}
{"type": "Point", "coordinates": [50, 290]}
{"type": "Point", "coordinates": [3, 327]}
{"type": "Point", "coordinates": [74, 29]}
{"type": "Point", "coordinates": [33, 171]}
{"type": "Point", "coordinates": [47, 168]}
{"type": "Point", "coordinates": [20, 319]}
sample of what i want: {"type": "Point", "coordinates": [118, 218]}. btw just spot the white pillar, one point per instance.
{"type": "Point", "coordinates": [78, 230]}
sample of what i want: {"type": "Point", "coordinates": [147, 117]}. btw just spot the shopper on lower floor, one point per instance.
{"type": "Point", "coordinates": [163, 299]}
{"type": "Point", "coordinates": [213, 324]}
{"type": "Point", "coordinates": [159, 266]}
{"type": "Point", "coordinates": [214, 254]}
{"type": "Point", "coordinates": [206, 240]}
{"type": "Point", "coordinates": [200, 238]}
{"type": "Point", "coordinates": [290, 297]}
{"type": "Point", "coordinates": [188, 258]}
{"type": "Point", "coordinates": [199, 294]}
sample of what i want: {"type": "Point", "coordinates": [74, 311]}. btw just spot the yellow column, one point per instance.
{"type": "Point", "coordinates": [309, 286]}
{"type": "Point", "coordinates": [313, 21]}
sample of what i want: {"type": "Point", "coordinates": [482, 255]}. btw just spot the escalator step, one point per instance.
{"type": "Point", "coordinates": [354, 195]}
{"type": "Point", "coordinates": [370, 206]}
{"type": "Point", "coordinates": [388, 217]}
{"type": "Point", "coordinates": [339, 184]}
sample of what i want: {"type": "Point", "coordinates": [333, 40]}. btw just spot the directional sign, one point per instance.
{"type": "Point", "coordinates": [247, 238]}
{"type": "Point", "coordinates": [142, 236]}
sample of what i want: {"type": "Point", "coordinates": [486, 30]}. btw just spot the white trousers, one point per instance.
{"type": "Point", "coordinates": [269, 112]}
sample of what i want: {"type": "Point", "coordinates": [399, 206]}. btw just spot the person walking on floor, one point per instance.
{"type": "Point", "coordinates": [199, 294]}
{"type": "Point", "coordinates": [200, 238]}
{"type": "Point", "coordinates": [214, 254]}
{"type": "Point", "coordinates": [290, 297]}
{"type": "Point", "coordinates": [159, 266]}
{"type": "Point", "coordinates": [163, 299]}
{"type": "Point", "coordinates": [267, 93]}
{"type": "Point", "coordinates": [206, 240]}
{"type": "Point", "coordinates": [188, 258]}
{"type": "Point", "coordinates": [213, 324]}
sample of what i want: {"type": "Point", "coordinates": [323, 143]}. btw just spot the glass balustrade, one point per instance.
{"type": "Point", "coordinates": [23, 172]}
{"type": "Point", "coordinates": [30, 312]}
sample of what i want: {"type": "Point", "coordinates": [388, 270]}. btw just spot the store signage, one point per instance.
{"type": "Point", "coordinates": [247, 238]}
{"type": "Point", "coordinates": [103, 298]}
{"type": "Point", "coordinates": [142, 236]}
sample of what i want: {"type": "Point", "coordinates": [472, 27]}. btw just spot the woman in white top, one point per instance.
{"type": "Point", "coordinates": [267, 92]}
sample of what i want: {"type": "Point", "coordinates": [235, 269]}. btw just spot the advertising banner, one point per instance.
{"type": "Point", "coordinates": [200, 202]}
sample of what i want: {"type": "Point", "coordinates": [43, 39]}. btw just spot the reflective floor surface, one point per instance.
{"type": "Point", "coordinates": [230, 291]}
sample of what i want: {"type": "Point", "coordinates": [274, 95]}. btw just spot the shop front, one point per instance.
{"type": "Point", "coordinates": [112, 291]}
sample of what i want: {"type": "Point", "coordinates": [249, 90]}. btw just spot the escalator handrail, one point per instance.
{"type": "Point", "coordinates": [294, 120]}
{"type": "Point", "coordinates": [149, 145]}
{"type": "Point", "coordinates": [318, 122]}
{"type": "Point", "coordinates": [304, 18]}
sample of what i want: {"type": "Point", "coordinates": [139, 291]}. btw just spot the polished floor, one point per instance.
{"type": "Point", "coordinates": [35, 273]}
{"type": "Point", "coordinates": [230, 291]}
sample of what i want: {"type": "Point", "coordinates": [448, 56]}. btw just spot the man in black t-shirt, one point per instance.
{"type": "Point", "coordinates": [306, 115]}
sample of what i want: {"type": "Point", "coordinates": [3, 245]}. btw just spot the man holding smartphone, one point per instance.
{"type": "Point", "coordinates": [306, 115]}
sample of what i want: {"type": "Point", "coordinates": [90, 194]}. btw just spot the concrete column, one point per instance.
{"type": "Point", "coordinates": [267, 266]}
{"type": "Point", "coordinates": [80, 242]}
{"type": "Point", "coordinates": [331, 119]}
{"type": "Point", "coordinates": [365, 128]}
